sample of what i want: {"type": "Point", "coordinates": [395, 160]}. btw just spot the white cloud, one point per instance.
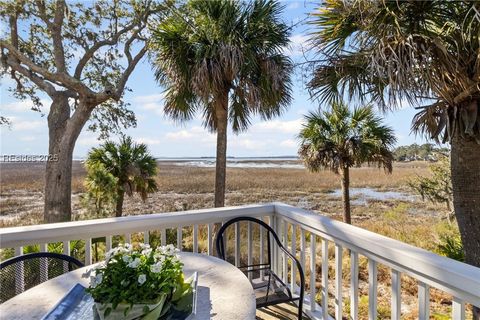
{"type": "Point", "coordinates": [195, 133]}
{"type": "Point", "coordinates": [24, 125]}
{"type": "Point", "coordinates": [148, 141]}
{"type": "Point", "coordinates": [289, 143]}
{"type": "Point", "coordinates": [23, 106]}
{"type": "Point", "coordinates": [248, 144]}
{"type": "Point", "coordinates": [179, 135]}
{"type": "Point", "coordinates": [153, 102]}
{"type": "Point", "coordinates": [89, 141]}
{"type": "Point", "coordinates": [278, 126]}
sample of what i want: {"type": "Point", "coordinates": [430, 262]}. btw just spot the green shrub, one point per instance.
{"type": "Point", "coordinates": [451, 246]}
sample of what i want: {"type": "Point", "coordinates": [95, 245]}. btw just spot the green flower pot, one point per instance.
{"type": "Point", "coordinates": [133, 312]}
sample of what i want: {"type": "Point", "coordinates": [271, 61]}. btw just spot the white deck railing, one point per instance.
{"type": "Point", "coordinates": [430, 270]}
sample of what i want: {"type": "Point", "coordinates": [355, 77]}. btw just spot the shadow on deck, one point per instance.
{"type": "Point", "coordinates": [284, 311]}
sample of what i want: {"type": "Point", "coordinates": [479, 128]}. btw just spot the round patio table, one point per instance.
{"type": "Point", "coordinates": [223, 291]}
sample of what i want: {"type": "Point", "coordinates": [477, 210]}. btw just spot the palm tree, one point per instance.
{"type": "Point", "coordinates": [101, 188]}
{"type": "Point", "coordinates": [425, 53]}
{"type": "Point", "coordinates": [130, 164]}
{"type": "Point", "coordinates": [223, 58]}
{"type": "Point", "coordinates": [340, 139]}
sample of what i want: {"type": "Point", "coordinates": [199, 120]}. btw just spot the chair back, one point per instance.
{"type": "Point", "coordinates": [260, 238]}
{"type": "Point", "coordinates": [26, 271]}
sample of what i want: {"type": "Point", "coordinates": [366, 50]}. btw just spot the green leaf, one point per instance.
{"type": "Point", "coordinates": [157, 311]}
{"type": "Point", "coordinates": [107, 312]}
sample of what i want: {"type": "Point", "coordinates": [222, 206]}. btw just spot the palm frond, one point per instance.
{"type": "Point", "coordinates": [338, 138]}
{"type": "Point", "coordinates": [389, 52]}
{"type": "Point", "coordinates": [210, 47]}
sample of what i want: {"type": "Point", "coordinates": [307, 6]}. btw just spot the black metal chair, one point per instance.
{"type": "Point", "coordinates": [26, 271]}
{"type": "Point", "coordinates": [269, 288]}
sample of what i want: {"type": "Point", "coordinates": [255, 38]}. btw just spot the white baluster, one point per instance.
{"type": "Point", "coordinates": [293, 251]}
{"type": "Point", "coordinates": [249, 247]}
{"type": "Point", "coordinates": [195, 238]}
{"type": "Point", "coordinates": [108, 243]}
{"type": "Point", "coordinates": [180, 238]}
{"type": "Point", "coordinates": [353, 285]}
{"type": "Point", "coordinates": [313, 270]}
{"type": "Point", "coordinates": [276, 253]}
{"type": "Point", "coordinates": [338, 281]}
{"type": "Point", "coordinates": [325, 279]}
{"type": "Point", "coordinates": [372, 290]}
{"type": "Point", "coordinates": [146, 237]}
{"type": "Point", "coordinates": [396, 294]}
{"type": "Point", "coordinates": [88, 251]}
{"type": "Point", "coordinates": [43, 264]}
{"type": "Point", "coordinates": [237, 244]}
{"type": "Point", "coordinates": [302, 248]}
{"type": "Point", "coordinates": [19, 273]}
{"type": "Point", "coordinates": [262, 247]}
{"type": "Point", "coordinates": [209, 239]}
{"type": "Point", "coordinates": [128, 238]}
{"type": "Point", "coordinates": [458, 309]}
{"type": "Point", "coordinates": [163, 237]}
{"type": "Point", "coordinates": [423, 301]}
{"type": "Point", "coordinates": [66, 251]}
{"type": "Point", "coordinates": [66, 248]}
{"type": "Point", "coordinates": [284, 255]}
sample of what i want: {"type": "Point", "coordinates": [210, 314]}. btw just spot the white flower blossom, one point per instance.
{"type": "Point", "coordinates": [134, 263]}
{"type": "Point", "coordinates": [146, 251]}
{"type": "Point", "coordinates": [168, 250]}
{"type": "Point", "coordinates": [159, 258]}
{"type": "Point", "coordinates": [126, 258]}
{"type": "Point", "coordinates": [122, 250]}
{"type": "Point", "coordinates": [142, 278]}
{"type": "Point", "coordinates": [96, 280]}
{"type": "Point", "coordinates": [156, 268]}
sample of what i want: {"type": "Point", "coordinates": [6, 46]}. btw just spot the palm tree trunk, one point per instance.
{"type": "Point", "coordinates": [465, 166]}
{"type": "Point", "coordinates": [119, 207]}
{"type": "Point", "coordinates": [346, 195]}
{"type": "Point", "coordinates": [221, 114]}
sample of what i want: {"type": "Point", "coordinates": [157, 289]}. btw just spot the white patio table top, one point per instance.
{"type": "Point", "coordinates": [224, 292]}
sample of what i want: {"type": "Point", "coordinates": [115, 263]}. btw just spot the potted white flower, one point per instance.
{"type": "Point", "coordinates": [141, 283]}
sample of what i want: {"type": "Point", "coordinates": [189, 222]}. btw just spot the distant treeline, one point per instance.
{"type": "Point", "coordinates": [426, 152]}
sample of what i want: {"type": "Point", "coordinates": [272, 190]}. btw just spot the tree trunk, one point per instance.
{"type": "Point", "coordinates": [119, 207]}
{"type": "Point", "coordinates": [465, 166]}
{"type": "Point", "coordinates": [63, 132]}
{"type": "Point", "coordinates": [58, 175]}
{"type": "Point", "coordinates": [221, 113]}
{"type": "Point", "coordinates": [346, 195]}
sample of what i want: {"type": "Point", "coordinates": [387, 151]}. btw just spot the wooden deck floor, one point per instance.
{"type": "Point", "coordinates": [283, 311]}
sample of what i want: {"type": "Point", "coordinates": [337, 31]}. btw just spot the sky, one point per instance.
{"type": "Point", "coordinates": [28, 133]}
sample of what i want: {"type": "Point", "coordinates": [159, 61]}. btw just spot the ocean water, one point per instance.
{"type": "Point", "coordinates": [286, 163]}
{"type": "Point", "coordinates": [362, 195]}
